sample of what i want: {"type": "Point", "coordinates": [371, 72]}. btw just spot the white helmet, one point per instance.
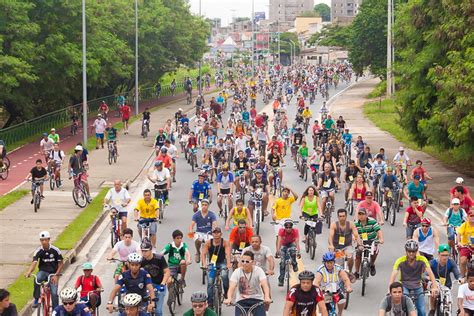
{"type": "Point", "coordinates": [459, 180]}
{"type": "Point", "coordinates": [132, 299]}
{"type": "Point", "coordinates": [68, 294]}
{"type": "Point", "coordinates": [78, 148]}
{"type": "Point", "coordinates": [401, 148]}
{"type": "Point", "coordinates": [134, 258]}
{"type": "Point", "coordinates": [44, 235]}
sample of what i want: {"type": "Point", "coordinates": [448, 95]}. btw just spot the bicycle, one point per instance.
{"type": "Point", "coordinates": [192, 158]}
{"type": "Point", "coordinates": [44, 303]}
{"type": "Point", "coordinates": [257, 212]}
{"type": "Point", "coordinates": [276, 182]}
{"type": "Point", "coordinates": [189, 98]}
{"type": "Point", "coordinates": [303, 169]}
{"type": "Point", "coordinates": [328, 210]}
{"type": "Point", "coordinates": [160, 197]}
{"type": "Point", "coordinates": [144, 226]}
{"type": "Point", "coordinates": [415, 296]}
{"type": "Point", "coordinates": [53, 179]}
{"type": "Point", "coordinates": [218, 289]}
{"type": "Point", "coordinates": [4, 170]}
{"type": "Point", "coordinates": [175, 294]}
{"type": "Point", "coordinates": [79, 192]}
{"type": "Point", "coordinates": [145, 128]}
{"type": "Point", "coordinates": [342, 260]}
{"type": "Point", "coordinates": [112, 152]}
{"type": "Point", "coordinates": [247, 311]}
{"type": "Point", "coordinates": [391, 207]}
{"type": "Point", "coordinates": [93, 309]}
{"type": "Point", "coordinates": [350, 206]}
{"type": "Point", "coordinates": [74, 127]}
{"type": "Point", "coordinates": [328, 295]}
{"type": "Point", "coordinates": [454, 250]}
{"type": "Point", "coordinates": [225, 207]}
{"type": "Point", "coordinates": [115, 229]}
{"type": "Point", "coordinates": [444, 303]}
{"type": "Point", "coordinates": [242, 184]}
{"type": "Point", "coordinates": [37, 194]}
{"type": "Point", "coordinates": [369, 250]}
{"type": "Point", "coordinates": [315, 227]}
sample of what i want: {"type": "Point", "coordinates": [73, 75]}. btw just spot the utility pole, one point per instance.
{"type": "Point", "coordinates": [279, 48]}
{"type": "Point", "coordinates": [253, 38]}
{"type": "Point", "coordinates": [84, 75]}
{"type": "Point", "coordinates": [136, 57]}
{"type": "Point", "coordinates": [389, 49]}
{"type": "Point", "coordinates": [200, 60]}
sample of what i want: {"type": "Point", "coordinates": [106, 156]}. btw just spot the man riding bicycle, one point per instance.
{"type": "Point", "coordinates": [161, 178]}
{"type": "Point", "coordinates": [200, 189]}
{"type": "Point", "coordinates": [288, 245]}
{"type": "Point", "coordinates": [37, 175]}
{"type": "Point", "coordinates": [305, 298]}
{"type": "Point", "coordinates": [146, 212]}
{"type": "Point", "coordinates": [327, 184]}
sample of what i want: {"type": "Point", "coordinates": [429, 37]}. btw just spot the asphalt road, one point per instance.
{"type": "Point", "coordinates": [178, 215]}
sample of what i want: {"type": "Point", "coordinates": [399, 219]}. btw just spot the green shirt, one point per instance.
{"type": "Point", "coordinates": [371, 229]}
{"type": "Point", "coordinates": [207, 312]}
{"type": "Point", "coordinates": [328, 123]}
{"type": "Point", "coordinates": [175, 254]}
{"type": "Point", "coordinates": [111, 133]}
{"type": "Point", "coordinates": [54, 138]}
{"type": "Point", "coordinates": [303, 151]}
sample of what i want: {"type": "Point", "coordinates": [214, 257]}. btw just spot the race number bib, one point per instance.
{"type": "Point", "coordinates": [241, 164]}
{"type": "Point", "coordinates": [201, 196]}
{"type": "Point", "coordinates": [342, 240]}
{"type": "Point", "coordinates": [359, 196]}
{"type": "Point", "coordinates": [442, 281]}
{"type": "Point", "coordinates": [242, 245]}
{"type": "Point", "coordinates": [364, 236]}
{"type": "Point", "coordinates": [214, 259]}
{"type": "Point", "coordinates": [351, 178]}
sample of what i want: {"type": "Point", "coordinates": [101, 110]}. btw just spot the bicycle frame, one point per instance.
{"type": "Point", "coordinates": [243, 311]}
{"type": "Point", "coordinates": [45, 295]}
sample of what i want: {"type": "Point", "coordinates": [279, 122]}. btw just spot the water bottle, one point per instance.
{"type": "Point", "coordinates": [212, 271]}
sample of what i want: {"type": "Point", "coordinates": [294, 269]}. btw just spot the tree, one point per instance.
{"type": "Point", "coordinates": [309, 14]}
{"type": "Point", "coordinates": [324, 11]}
{"type": "Point", "coordinates": [333, 35]}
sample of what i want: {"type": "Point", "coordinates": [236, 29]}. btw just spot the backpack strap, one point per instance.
{"type": "Point", "coordinates": [450, 213]}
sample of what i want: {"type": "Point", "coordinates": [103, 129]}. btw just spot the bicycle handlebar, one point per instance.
{"type": "Point", "coordinates": [49, 278]}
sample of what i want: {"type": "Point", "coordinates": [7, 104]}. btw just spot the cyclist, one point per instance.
{"type": "Point", "coordinates": [310, 203]}
{"type": "Point", "coordinates": [38, 174]}
{"type": "Point", "coordinates": [53, 136]}
{"type": "Point", "coordinates": [179, 256]}
{"type": "Point", "coordinates": [46, 145]}
{"type": "Point", "coordinates": [372, 207]}
{"type": "Point", "coordinates": [442, 268]}
{"type": "Point", "coordinates": [304, 298]}
{"type": "Point", "coordinates": [125, 111]}
{"type": "Point", "coordinates": [104, 109]}
{"type": "Point", "coordinates": [240, 236]}
{"type": "Point", "coordinates": [358, 189]}
{"type": "Point", "coordinates": [160, 139]}
{"type": "Point", "coordinates": [397, 303]}
{"type": "Point", "coordinates": [132, 303]}
{"type": "Point", "coordinates": [124, 248]}
{"type": "Point", "coordinates": [70, 307]}
{"type": "Point", "coordinates": [413, 216]}
{"type": "Point", "coordinates": [296, 141]}
{"type": "Point", "coordinates": [401, 159]}
{"type": "Point", "coordinates": [459, 183]}
{"type": "Point", "coordinates": [412, 267]}
{"type": "Point", "coordinates": [340, 123]}
{"type": "Point", "coordinates": [112, 136]}
{"type": "Point", "coordinates": [199, 305]}
{"type": "Point", "coordinates": [453, 218]}
{"type": "Point", "coordinates": [389, 182]}
{"type": "Point", "coordinates": [250, 285]}
{"type": "Point", "coordinates": [332, 278]}
{"type": "Point", "coordinates": [364, 159]}
{"type": "Point", "coordinates": [155, 264]}
{"type": "Point", "coordinates": [146, 119]}
{"type": "Point", "coordinates": [216, 252]}
{"type": "Point", "coordinates": [466, 201]}
{"type": "Point", "coordinates": [136, 280]}
{"type": "Point", "coordinates": [465, 294]}
{"type": "Point", "coordinates": [225, 186]}
{"type": "Point", "coordinates": [419, 170]}
{"type": "Point", "coordinates": [304, 153]}
{"type": "Point", "coordinates": [263, 256]}
{"type": "Point", "coordinates": [147, 211]}
{"type": "Point", "coordinates": [99, 125]}
{"type": "Point", "coordinates": [162, 180]}
{"type": "Point", "coordinates": [205, 221]}
{"type": "Point", "coordinates": [427, 237]}
{"type": "Point", "coordinates": [327, 184]}
{"type": "Point", "coordinates": [118, 198]}
{"type": "Point", "coordinates": [369, 231]}
{"type": "Point", "coordinates": [275, 160]}
{"type": "Point", "coordinates": [200, 189]}
{"type": "Point", "coordinates": [241, 166]}
{"type": "Point", "coordinates": [466, 242]}
{"type": "Point", "coordinates": [341, 233]}
{"type": "Point", "coordinates": [415, 188]}
{"type": "Point", "coordinates": [281, 209]}
{"type": "Point", "coordinates": [172, 151]}
{"type": "Point", "coordinates": [50, 261]}
{"type": "Point", "coordinates": [378, 171]}
{"type": "Point", "coordinates": [287, 245]}
{"type": "Point", "coordinates": [240, 212]}
{"type": "Point", "coordinates": [90, 285]}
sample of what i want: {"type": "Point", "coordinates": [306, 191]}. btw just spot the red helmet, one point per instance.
{"type": "Point", "coordinates": [426, 221]}
{"type": "Point", "coordinates": [161, 130]}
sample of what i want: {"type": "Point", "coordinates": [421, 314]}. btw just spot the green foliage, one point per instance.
{"type": "Point", "coordinates": [323, 11]}
{"type": "Point", "coordinates": [285, 46]}
{"type": "Point", "coordinates": [333, 35]}
{"type": "Point", "coordinates": [41, 49]}
{"type": "Point", "coordinates": [379, 90]}
{"type": "Point", "coordinates": [309, 14]}
{"type": "Point", "coordinates": [12, 197]}
{"type": "Point", "coordinates": [435, 70]}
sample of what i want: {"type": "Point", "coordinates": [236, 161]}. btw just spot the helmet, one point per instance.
{"type": "Point", "coordinates": [199, 297]}
{"type": "Point", "coordinates": [389, 168]}
{"type": "Point", "coordinates": [68, 294]}
{"type": "Point", "coordinates": [329, 256]}
{"type": "Point", "coordinates": [132, 299]}
{"type": "Point", "coordinates": [146, 244]}
{"type": "Point", "coordinates": [44, 235]}
{"type": "Point", "coordinates": [164, 150]}
{"type": "Point", "coordinates": [134, 258]}
{"type": "Point", "coordinates": [444, 247]}
{"type": "Point", "coordinates": [87, 266]}
{"type": "Point", "coordinates": [411, 245]}
{"type": "Point", "coordinates": [306, 275]}
{"type": "Point", "coordinates": [288, 222]}
{"type": "Point", "coordinates": [45, 134]}
{"type": "Point", "coordinates": [78, 148]}
{"type": "Point", "coordinates": [158, 163]}
{"type": "Point", "coordinates": [160, 130]}
{"type": "Point", "coordinates": [459, 180]}
{"type": "Point", "coordinates": [426, 221]}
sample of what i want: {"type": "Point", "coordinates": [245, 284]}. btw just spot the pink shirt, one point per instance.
{"type": "Point", "coordinates": [372, 210]}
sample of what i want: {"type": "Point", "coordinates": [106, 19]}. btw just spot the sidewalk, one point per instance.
{"type": "Point", "coordinates": [349, 105]}
{"type": "Point", "coordinates": [21, 226]}
{"type": "Point", "coordinates": [22, 159]}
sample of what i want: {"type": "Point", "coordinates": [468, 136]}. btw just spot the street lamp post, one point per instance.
{"type": "Point", "coordinates": [294, 51]}
{"type": "Point", "coordinates": [253, 38]}
{"type": "Point", "coordinates": [84, 75]}
{"type": "Point", "coordinates": [389, 48]}
{"type": "Point", "coordinates": [136, 57]}
{"type": "Point", "coordinates": [200, 59]}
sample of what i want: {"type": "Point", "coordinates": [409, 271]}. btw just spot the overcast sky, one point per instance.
{"type": "Point", "coordinates": [226, 9]}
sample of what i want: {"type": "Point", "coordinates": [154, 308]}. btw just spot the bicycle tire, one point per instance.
{"type": "Point", "coordinates": [110, 158]}
{"type": "Point", "coordinates": [79, 197]}
{"type": "Point", "coordinates": [385, 212]}
{"type": "Point", "coordinates": [115, 156]}
{"type": "Point", "coordinates": [287, 276]}
{"type": "Point", "coordinates": [203, 277]}
{"type": "Point", "coordinates": [225, 212]}
{"type": "Point", "coordinates": [312, 249]}
{"type": "Point", "coordinates": [305, 173]}
{"type": "Point", "coordinates": [392, 214]}
{"type": "Point", "coordinates": [52, 182]}
{"type": "Point", "coordinates": [112, 235]}
{"type": "Point", "coordinates": [347, 301]}
{"type": "Point", "coordinates": [217, 299]}
{"type": "Point", "coordinates": [172, 300]}
{"type": "Point", "coordinates": [35, 203]}
{"type": "Point", "coordinates": [242, 194]}
{"type": "Point", "coordinates": [257, 221]}
{"type": "Point", "coordinates": [39, 309]}
{"type": "Point", "coordinates": [58, 183]}
{"type": "Point", "coordinates": [191, 161]}
{"type": "Point", "coordinates": [4, 174]}
{"type": "Point", "coordinates": [328, 216]}
{"type": "Point", "coordinates": [364, 276]}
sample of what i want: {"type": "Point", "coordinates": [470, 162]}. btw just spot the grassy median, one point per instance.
{"type": "Point", "coordinates": [12, 197]}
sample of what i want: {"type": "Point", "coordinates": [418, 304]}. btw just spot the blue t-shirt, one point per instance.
{"type": "Point", "coordinates": [445, 272]}
{"type": "Point", "coordinates": [347, 138]}
{"type": "Point", "coordinates": [245, 116]}
{"type": "Point", "coordinates": [184, 120]}
{"type": "Point", "coordinates": [204, 224]}
{"type": "Point", "coordinates": [228, 179]}
{"type": "Point", "coordinates": [78, 310]}
{"type": "Point", "coordinates": [414, 190]}
{"type": "Point", "coordinates": [220, 99]}
{"type": "Point", "coordinates": [200, 188]}
{"type": "Point", "coordinates": [135, 285]}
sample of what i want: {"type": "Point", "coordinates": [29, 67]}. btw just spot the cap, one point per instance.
{"type": "Point", "coordinates": [158, 163]}
{"type": "Point", "coordinates": [368, 193]}
{"type": "Point", "coordinates": [87, 266]}
{"type": "Point", "coordinates": [259, 171]}
{"type": "Point", "coordinates": [362, 211]}
{"type": "Point", "coordinates": [401, 148]}
{"type": "Point", "coordinates": [455, 201]}
{"type": "Point", "coordinates": [180, 109]}
{"type": "Point", "coordinates": [217, 230]}
{"type": "Point", "coordinates": [78, 148]}
{"type": "Point", "coordinates": [99, 115]}
{"type": "Point", "coordinates": [53, 130]}
{"type": "Point", "coordinates": [45, 134]}
{"type": "Point", "coordinates": [417, 177]}
{"type": "Point", "coordinates": [426, 221]}
{"type": "Point", "coordinates": [459, 180]}
{"type": "Point", "coordinates": [205, 201]}
{"type": "Point", "coordinates": [444, 247]}
{"type": "Point", "coordinates": [44, 235]}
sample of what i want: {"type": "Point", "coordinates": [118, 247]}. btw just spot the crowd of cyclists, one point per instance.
{"type": "Point", "coordinates": [240, 162]}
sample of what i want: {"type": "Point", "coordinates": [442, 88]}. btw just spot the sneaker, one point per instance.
{"type": "Point", "coordinates": [356, 275]}
{"type": "Point", "coordinates": [167, 202]}
{"type": "Point", "coordinates": [372, 270]}
{"type": "Point", "coordinates": [197, 257]}
{"type": "Point", "coordinates": [42, 196]}
{"type": "Point", "coordinates": [35, 303]}
{"type": "Point", "coordinates": [280, 283]}
{"type": "Point", "coordinates": [295, 266]}
{"type": "Point", "coordinates": [31, 201]}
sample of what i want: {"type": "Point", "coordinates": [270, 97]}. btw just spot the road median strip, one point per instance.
{"type": "Point", "coordinates": [12, 197]}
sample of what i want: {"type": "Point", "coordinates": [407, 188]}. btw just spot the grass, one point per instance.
{"type": "Point", "coordinates": [12, 197]}
{"type": "Point", "coordinates": [379, 90]}
{"type": "Point", "coordinates": [21, 291]}
{"type": "Point", "coordinates": [182, 72]}
{"type": "Point", "coordinates": [78, 227]}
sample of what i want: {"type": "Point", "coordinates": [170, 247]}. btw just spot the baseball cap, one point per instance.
{"type": "Point", "coordinates": [362, 211]}
{"type": "Point", "coordinates": [87, 266]}
{"type": "Point", "coordinates": [78, 148]}
{"type": "Point", "coordinates": [368, 193]}
{"type": "Point", "coordinates": [417, 177]}
{"type": "Point", "coordinates": [459, 180]}
{"type": "Point", "coordinates": [455, 201]}
{"type": "Point", "coordinates": [401, 148]}
{"type": "Point", "coordinates": [44, 235]}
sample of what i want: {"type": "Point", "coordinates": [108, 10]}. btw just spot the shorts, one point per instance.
{"type": "Point", "coordinates": [123, 214]}
{"type": "Point", "coordinates": [88, 304]}
{"type": "Point", "coordinates": [153, 228]}
{"type": "Point", "coordinates": [410, 229]}
{"type": "Point", "coordinates": [426, 255]}
{"type": "Point", "coordinates": [99, 135]}
{"type": "Point", "coordinates": [451, 232]}
{"type": "Point", "coordinates": [125, 119]}
{"type": "Point", "coordinates": [465, 252]}
{"type": "Point", "coordinates": [325, 193]}
{"type": "Point", "coordinates": [174, 270]}
{"type": "Point", "coordinates": [307, 227]}
{"type": "Point", "coordinates": [225, 191]}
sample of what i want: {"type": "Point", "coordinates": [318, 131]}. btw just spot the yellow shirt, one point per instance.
{"type": "Point", "coordinates": [147, 210]}
{"type": "Point", "coordinates": [239, 215]}
{"type": "Point", "coordinates": [466, 231]}
{"type": "Point", "coordinates": [283, 207]}
{"type": "Point", "coordinates": [252, 83]}
{"type": "Point", "coordinates": [307, 113]}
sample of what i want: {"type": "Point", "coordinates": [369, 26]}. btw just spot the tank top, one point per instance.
{"type": "Point", "coordinates": [219, 251]}
{"type": "Point", "coordinates": [342, 238]}
{"type": "Point", "coordinates": [237, 216]}
{"type": "Point", "coordinates": [426, 242]}
{"type": "Point", "coordinates": [310, 207]}
{"type": "Point", "coordinates": [359, 193]}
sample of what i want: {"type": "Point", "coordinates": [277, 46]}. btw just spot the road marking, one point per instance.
{"type": "Point", "coordinates": [14, 166]}
{"type": "Point", "coordinates": [30, 157]}
{"type": "Point", "coordinates": [19, 163]}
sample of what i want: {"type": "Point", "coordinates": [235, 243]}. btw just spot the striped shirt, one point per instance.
{"type": "Point", "coordinates": [369, 230]}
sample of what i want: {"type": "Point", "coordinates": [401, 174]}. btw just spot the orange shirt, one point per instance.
{"type": "Point", "coordinates": [237, 237]}
{"type": "Point", "coordinates": [166, 159]}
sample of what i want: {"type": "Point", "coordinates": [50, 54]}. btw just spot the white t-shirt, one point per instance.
{"type": "Point", "coordinates": [467, 295]}
{"type": "Point", "coordinates": [249, 283]}
{"type": "Point", "coordinates": [57, 156]}
{"type": "Point", "coordinates": [261, 256]}
{"type": "Point", "coordinates": [100, 124]}
{"type": "Point", "coordinates": [124, 250]}
{"type": "Point", "coordinates": [116, 199]}
{"type": "Point", "coordinates": [47, 144]}
{"type": "Point", "coordinates": [161, 176]}
{"type": "Point", "coordinates": [240, 144]}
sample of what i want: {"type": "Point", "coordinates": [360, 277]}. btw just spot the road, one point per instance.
{"type": "Point", "coordinates": [178, 216]}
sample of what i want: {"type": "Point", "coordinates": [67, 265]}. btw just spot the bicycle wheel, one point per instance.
{"type": "Point", "coordinates": [225, 211]}
{"type": "Point", "coordinates": [217, 298]}
{"type": "Point", "coordinates": [110, 158]}
{"type": "Point", "coordinates": [305, 173]}
{"type": "Point", "coordinates": [112, 233]}
{"type": "Point", "coordinates": [191, 161]}
{"type": "Point", "coordinates": [364, 275]}
{"type": "Point", "coordinates": [347, 301]}
{"type": "Point", "coordinates": [203, 277]}
{"type": "Point", "coordinates": [4, 174]}
{"type": "Point", "coordinates": [385, 211]}
{"type": "Point", "coordinates": [313, 245]}
{"type": "Point", "coordinates": [328, 216]}
{"type": "Point", "coordinates": [172, 300]}
{"type": "Point", "coordinates": [393, 214]}
{"type": "Point", "coordinates": [257, 221]}
{"type": "Point", "coordinates": [37, 202]}
{"type": "Point", "coordinates": [39, 309]}
{"type": "Point", "coordinates": [115, 156]}
{"type": "Point", "coordinates": [79, 197]}
{"type": "Point", "coordinates": [52, 183]}
{"type": "Point", "coordinates": [287, 276]}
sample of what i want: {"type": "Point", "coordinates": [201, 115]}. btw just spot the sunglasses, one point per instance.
{"type": "Point", "coordinates": [288, 227]}
{"type": "Point", "coordinates": [198, 305]}
{"type": "Point", "coordinates": [69, 303]}
{"type": "Point", "coordinates": [246, 261]}
{"type": "Point", "coordinates": [240, 227]}
{"type": "Point", "coordinates": [425, 225]}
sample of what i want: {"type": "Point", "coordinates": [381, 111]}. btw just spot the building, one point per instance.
{"type": "Point", "coordinates": [321, 55]}
{"type": "Point", "coordinates": [288, 10]}
{"type": "Point", "coordinates": [344, 11]}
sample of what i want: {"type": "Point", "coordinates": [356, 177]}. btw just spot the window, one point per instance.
{"type": "Point", "coordinates": [350, 12]}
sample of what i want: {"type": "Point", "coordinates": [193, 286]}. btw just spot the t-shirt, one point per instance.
{"type": "Point", "coordinates": [397, 308]}
{"type": "Point", "coordinates": [147, 210]}
{"type": "Point", "coordinates": [282, 207]}
{"type": "Point", "coordinates": [288, 238]}
{"type": "Point", "coordinates": [240, 239]}
{"type": "Point", "coordinates": [88, 284]}
{"type": "Point", "coordinates": [414, 190]}
{"type": "Point", "coordinates": [125, 112]}
{"type": "Point", "coordinates": [37, 174]}
{"type": "Point", "coordinates": [111, 133]}
{"type": "Point", "coordinates": [123, 250]}
{"type": "Point", "coordinates": [369, 230]}
{"type": "Point", "coordinates": [259, 184]}
{"type": "Point", "coordinates": [155, 267]}
{"type": "Point", "coordinates": [419, 171]}
{"type": "Point", "coordinates": [116, 199]}
{"type": "Point", "coordinates": [176, 254]}
{"type": "Point", "coordinates": [248, 283]}
{"type": "Point", "coordinates": [260, 256]}
{"type": "Point", "coordinates": [304, 303]}
{"type": "Point", "coordinates": [79, 310]}
{"type": "Point", "coordinates": [467, 202]}
{"type": "Point", "coordinates": [161, 175]}
{"type": "Point", "coordinates": [10, 311]}
{"type": "Point", "coordinates": [328, 181]}
{"type": "Point", "coordinates": [57, 156]}
{"type": "Point", "coordinates": [453, 189]}
{"type": "Point", "coordinates": [466, 231]}
{"type": "Point", "coordinates": [372, 210]}
{"type": "Point", "coordinates": [410, 275]}
{"type": "Point", "coordinates": [47, 144]}
{"type": "Point", "coordinates": [100, 125]}
{"type": "Point", "coordinates": [241, 164]}
{"type": "Point", "coordinates": [467, 296]}
{"type": "Point", "coordinates": [48, 259]}
{"type": "Point", "coordinates": [225, 181]}
{"type": "Point", "coordinates": [135, 285]}
{"type": "Point", "coordinates": [166, 159]}
{"type": "Point", "coordinates": [443, 273]}
{"type": "Point", "coordinates": [207, 312]}
{"type": "Point", "coordinates": [274, 160]}
{"type": "Point", "coordinates": [204, 224]}
{"type": "Point", "coordinates": [412, 217]}
{"type": "Point", "coordinates": [200, 189]}
{"type": "Point", "coordinates": [455, 218]}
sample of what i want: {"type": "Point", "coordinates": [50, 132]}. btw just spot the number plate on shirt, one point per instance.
{"type": "Point", "coordinates": [311, 223]}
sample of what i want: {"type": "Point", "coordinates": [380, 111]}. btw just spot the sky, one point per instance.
{"type": "Point", "coordinates": [226, 9]}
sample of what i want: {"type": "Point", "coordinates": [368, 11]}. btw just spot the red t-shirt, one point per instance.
{"type": "Point", "coordinates": [88, 284]}
{"type": "Point", "coordinates": [253, 113]}
{"type": "Point", "coordinates": [236, 237]}
{"type": "Point", "coordinates": [259, 121]}
{"type": "Point", "coordinates": [286, 238]}
{"type": "Point", "coordinates": [420, 171]}
{"type": "Point", "coordinates": [466, 190]}
{"type": "Point", "coordinates": [166, 159]}
{"type": "Point", "coordinates": [276, 143]}
{"type": "Point", "coordinates": [372, 210]}
{"type": "Point", "coordinates": [412, 217]}
{"type": "Point", "coordinates": [125, 112]}
{"type": "Point", "coordinates": [104, 107]}
{"type": "Point", "coordinates": [467, 203]}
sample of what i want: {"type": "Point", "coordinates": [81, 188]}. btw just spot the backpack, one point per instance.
{"type": "Point", "coordinates": [181, 251]}
{"type": "Point", "coordinates": [94, 282]}
{"type": "Point", "coordinates": [461, 210]}
{"type": "Point", "coordinates": [404, 304]}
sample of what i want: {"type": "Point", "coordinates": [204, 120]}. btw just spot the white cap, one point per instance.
{"type": "Point", "coordinates": [401, 148]}
{"type": "Point", "coordinates": [78, 148]}
{"type": "Point", "coordinates": [459, 180]}
{"type": "Point", "coordinates": [455, 201]}
{"type": "Point", "coordinates": [180, 109]}
{"type": "Point", "coordinates": [44, 234]}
